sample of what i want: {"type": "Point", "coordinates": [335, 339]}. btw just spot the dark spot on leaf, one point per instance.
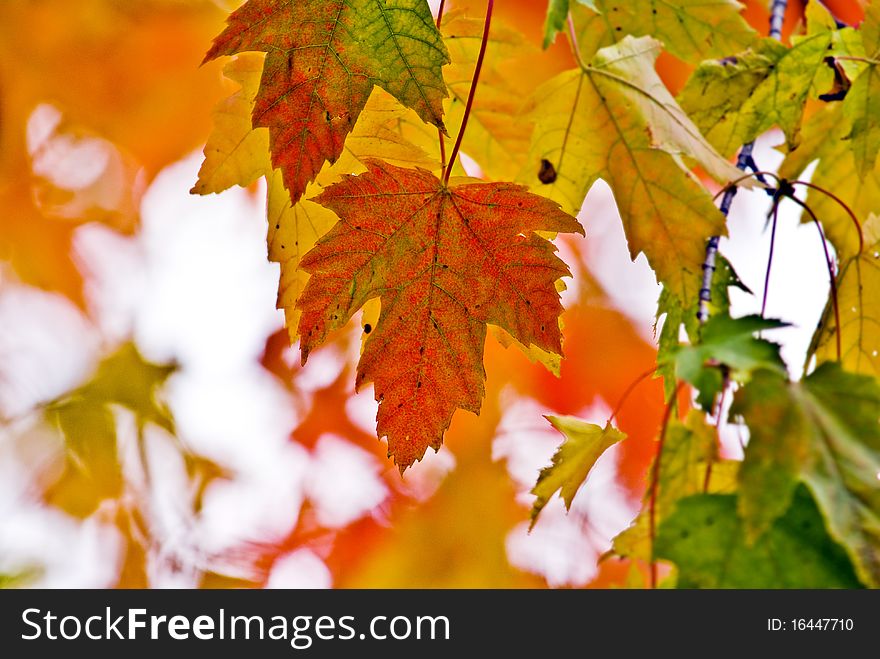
{"type": "Point", "coordinates": [618, 29]}
{"type": "Point", "coordinates": [277, 226]}
{"type": "Point", "coordinates": [327, 116]}
{"type": "Point", "coordinates": [419, 384]}
{"type": "Point", "coordinates": [368, 328]}
{"type": "Point", "coordinates": [547, 173]}
{"type": "Point", "coordinates": [421, 350]}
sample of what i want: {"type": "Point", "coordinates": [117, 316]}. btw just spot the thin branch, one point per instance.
{"type": "Point", "coordinates": [854, 58]}
{"type": "Point", "coordinates": [655, 480]}
{"type": "Point", "coordinates": [842, 204]}
{"type": "Point", "coordinates": [440, 13]}
{"type": "Point", "coordinates": [439, 131]}
{"type": "Point", "coordinates": [575, 47]}
{"type": "Point", "coordinates": [635, 383]}
{"type": "Point", "coordinates": [775, 212]}
{"type": "Point", "coordinates": [777, 15]}
{"type": "Point", "coordinates": [711, 459]}
{"type": "Point", "coordinates": [470, 99]}
{"type": "Point", "coordinates": [832, 277]}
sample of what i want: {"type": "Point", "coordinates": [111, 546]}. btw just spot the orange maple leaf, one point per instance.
{"type": "Point", "coordinates": [444, 261]}
{"type": "Point", "coordinates": [323, 59]}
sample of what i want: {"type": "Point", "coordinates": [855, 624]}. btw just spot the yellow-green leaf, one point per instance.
{"type": "Point", "coordinates": [235, 153]}
{"type": "Point", "coordinates": [85, 417]}
{"type": "Point", "coordinates": [736, 99]}
{"type": "Point", "coordinates": [584, 444]}
{"type": "Point", "coordinates": [692, 30]}
{"type": "Point", "coordinates": [616, 120]}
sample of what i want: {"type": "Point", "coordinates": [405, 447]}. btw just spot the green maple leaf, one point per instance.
{"type": "Point", "coordinates": [727, 343]}
{"type": "Point", "coordinates": [323, 59]}
{"type": "Point", "coordinates": [584, 444]}
{"type": "Point", "coordinates": [615, 120]}
{"type": "Point", "coordinates": [692, 30]}
{"type": "Point", "coordinates": [824, 432]}
{"type": "Point", "coordinates": [674, 315]}
{"type": "Point", "coordinates": [707, 542]}
{"type": "Point", "coordinates": [736, 99]}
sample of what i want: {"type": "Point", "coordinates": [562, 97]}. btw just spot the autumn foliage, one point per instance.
{"type": "Point", "coordinates": [430, 184]}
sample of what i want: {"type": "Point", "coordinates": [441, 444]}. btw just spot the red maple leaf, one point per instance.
{"type": "Point", "coordinates": [323, 59]}
{"type": "Point", "coordinates": [445, 261]}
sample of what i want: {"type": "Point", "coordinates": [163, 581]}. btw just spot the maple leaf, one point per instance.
{"type": "Point", "coordinates": [92, 469]}
{"type": "Point", "coordinates": [737, 98]}
{"type": "Point", "coordinates": [444, 261]}
{"type": "Point", "coordinates": [616, 120]}
{"type": "Point", "coordinates": [727, 343]}
{"type": "Point", "coordinates": [236, 153]}
{"type": "Point", "coordinates": [706, 540]}
{"type": "Point", "coordinates": [670, 308]}
{"type": "Point", "coordinates": [584, 444]}
{"type": "Point", "coordinates": [859, 310]}
{"type": "Point", "coordinates": [692, 30]}
{"type": "Point", "coordinates": [323, 60]}
{"type": "Point", "coordinates": [824, 432]}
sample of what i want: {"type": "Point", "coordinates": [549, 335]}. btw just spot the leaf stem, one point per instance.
{"type": "Point", "coordinates": [575, 47]}
{"type": "Point", "coordinates": [711, 459]}
{"type": "Point", "coordinates": [655, 480]}
{"type": "Point", "coordinates": [440, 13]}
{"type": "Point", "coordinates": [439, 131]}
{"type": "Point", "coordinates": [855, 58]}
{"type": "Point", "coordinates": [635, 383]}
{"type": "Point", "coordinates": [470, 99]}
{"type": "Point", "coordinates": [775, 212]}
{"type": "Point", "coordinates": [841, 203]}
{"type": "Point", "coordinates": [735, 182]}
{"type": "Point", "coordinates": [832, 278]}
